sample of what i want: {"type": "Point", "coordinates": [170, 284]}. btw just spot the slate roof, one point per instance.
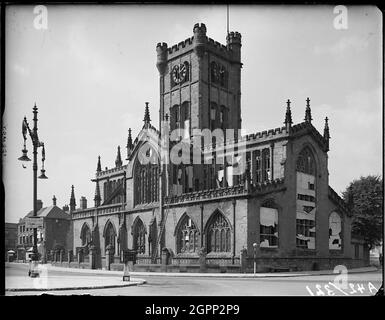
{"type": "Point", "coordinates": [51, 212]}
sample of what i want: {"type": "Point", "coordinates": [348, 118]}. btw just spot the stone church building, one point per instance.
{"type": "Point", "coordinates": [279, 210]}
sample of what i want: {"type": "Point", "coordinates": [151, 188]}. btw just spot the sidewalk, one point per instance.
{"type": "Point", "coordinates": [218, 275]}
{"type": "Point", "coordinates": [47, 282]}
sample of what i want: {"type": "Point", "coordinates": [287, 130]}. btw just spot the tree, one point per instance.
{"type": "Point", "coordinates": [365, 199]}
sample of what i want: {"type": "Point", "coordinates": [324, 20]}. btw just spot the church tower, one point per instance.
{"type": "Point", "coordinates": [200, 82]}
{"type": "Point", "coordinates": [200, 88]}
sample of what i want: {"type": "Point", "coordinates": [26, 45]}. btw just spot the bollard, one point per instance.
{"type": "Point", "coordinates": [128, 265]}
{"type": "Point", "coordinates": [129, 258]}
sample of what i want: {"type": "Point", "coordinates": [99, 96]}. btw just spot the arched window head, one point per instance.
{"type": "Point", "coordinates": [139, 237]}
{"type": "Point", "coordinates": [306, 162]}
{"type": "Point", "coordinates": [214, 68]}
{"type": "Point", "coordinates": [146, 175]}
{"type": "Point", "coordinates": [109, 235]}
{"type": "Point", "coordinates": [187, 236]}
{"type": "Point", "coordinates": [218, 234]}
{"type": "Point", "coordinates": [85, 235]}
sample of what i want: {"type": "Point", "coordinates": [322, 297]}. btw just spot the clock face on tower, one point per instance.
{"type": "Point", "coordinates": [179, 73]}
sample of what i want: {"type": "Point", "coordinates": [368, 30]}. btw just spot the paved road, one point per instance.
{"type": "Point", "coordinates": [367, 283]}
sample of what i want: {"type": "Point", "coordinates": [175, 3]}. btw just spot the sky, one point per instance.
{"type": "Point", "coordinates": [93, 67]}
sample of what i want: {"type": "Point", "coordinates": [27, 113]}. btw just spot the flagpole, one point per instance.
{"type": "Point", "coordinates": [227, 19]}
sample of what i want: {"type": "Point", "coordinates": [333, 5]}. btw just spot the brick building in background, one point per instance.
{"type": "Point", "coordinates": [54, 235]}
{"type": "Point", "coordinates": [281, 208]}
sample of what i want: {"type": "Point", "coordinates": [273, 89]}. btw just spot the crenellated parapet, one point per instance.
{"type": "Point", "coordinates": [180, 46]}
{"type": "Point", "coordinates": [200, 43]}
{"type": "Point", "coordinates": [206, 194]}
{"type": "Point", "coordinates": [250, 139]}
{"type": "Point", "coordinates": [226, 192]}
{"type": "Point", "coordinates": [266, 134]}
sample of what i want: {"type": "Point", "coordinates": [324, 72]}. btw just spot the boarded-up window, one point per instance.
{"type": "Point", "coordinates": [268, 227]}
{"type": "Point", "coordinates": [306, 200]}
{"type": "Point", "coordinates": [335, 229]}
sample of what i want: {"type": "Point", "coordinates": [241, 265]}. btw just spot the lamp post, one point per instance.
{"type": "Point", "coordinates": [255, 257]}
{"type": "Point", "coordinates": [36, 144]}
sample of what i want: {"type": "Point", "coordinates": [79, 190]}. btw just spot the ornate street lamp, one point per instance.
{"type": "Point", "coordinates": [36, 144]}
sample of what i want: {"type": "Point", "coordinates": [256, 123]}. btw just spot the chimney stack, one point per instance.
{"type": "Point", "coordinates": [83, 203]}
{"type": "Point", "coordinates": [39, 204]}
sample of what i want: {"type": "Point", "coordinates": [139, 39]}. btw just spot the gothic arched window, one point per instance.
{"type": "Point", "coordinates": [139, 236]}
{"type": "Point", "coordinates": [306, 200]}
{"type": "Point", "coordinates": [306, 162]}
{"type": "Point", "coordinates": [146, 177]}
{"type": "Point", "coordinates": [187, 236]}
{"type": "Point", "coordinates": [214, 72]}
{"type": "Point", "coordinates": [109, 235]}
{"type": "Point", "coordinates": [85, 235]}
{"type": "Point", "coordinates": [185, 119]}
{"type": "Point", "coordinates": [175, 117]}
{"type": "Point", "coordinates": [266, 175]}
{"type": "Point", "coordinates": [218, 234]}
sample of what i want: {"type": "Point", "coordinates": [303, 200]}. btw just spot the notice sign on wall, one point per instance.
{"type": "Point", "coordinates": [34, 222]}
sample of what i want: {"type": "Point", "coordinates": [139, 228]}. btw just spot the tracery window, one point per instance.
{"type": "Point", "coordinates": [218, 234]}
{"type": "Point", "coordinates": [109, 236]}
{"type": "Point", "coordinates": [187, 236]}
{"type": "Point", "coordinates": [305, 162]}
{"type": "Point", "coordinates": [146, 180]}
{"type": "Point", "coordinates": [306, 200]}
{"type": "Point", "coordinates": [305, 233]}
{"type": "Point", "coordinates": [266, 164]}
{"type": "Point", "coordinates": [218, 74]}
{"type": "Point", "coordinates": [258, 166]}
{"type": "Point", "coordinates": [175, 117]}
{"type": "Point", "coordinates": [85, 235]}
{"type": "Point", "coordinates": [139, 237]}
{"type": "Point", "coordinates": [213, 115]}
